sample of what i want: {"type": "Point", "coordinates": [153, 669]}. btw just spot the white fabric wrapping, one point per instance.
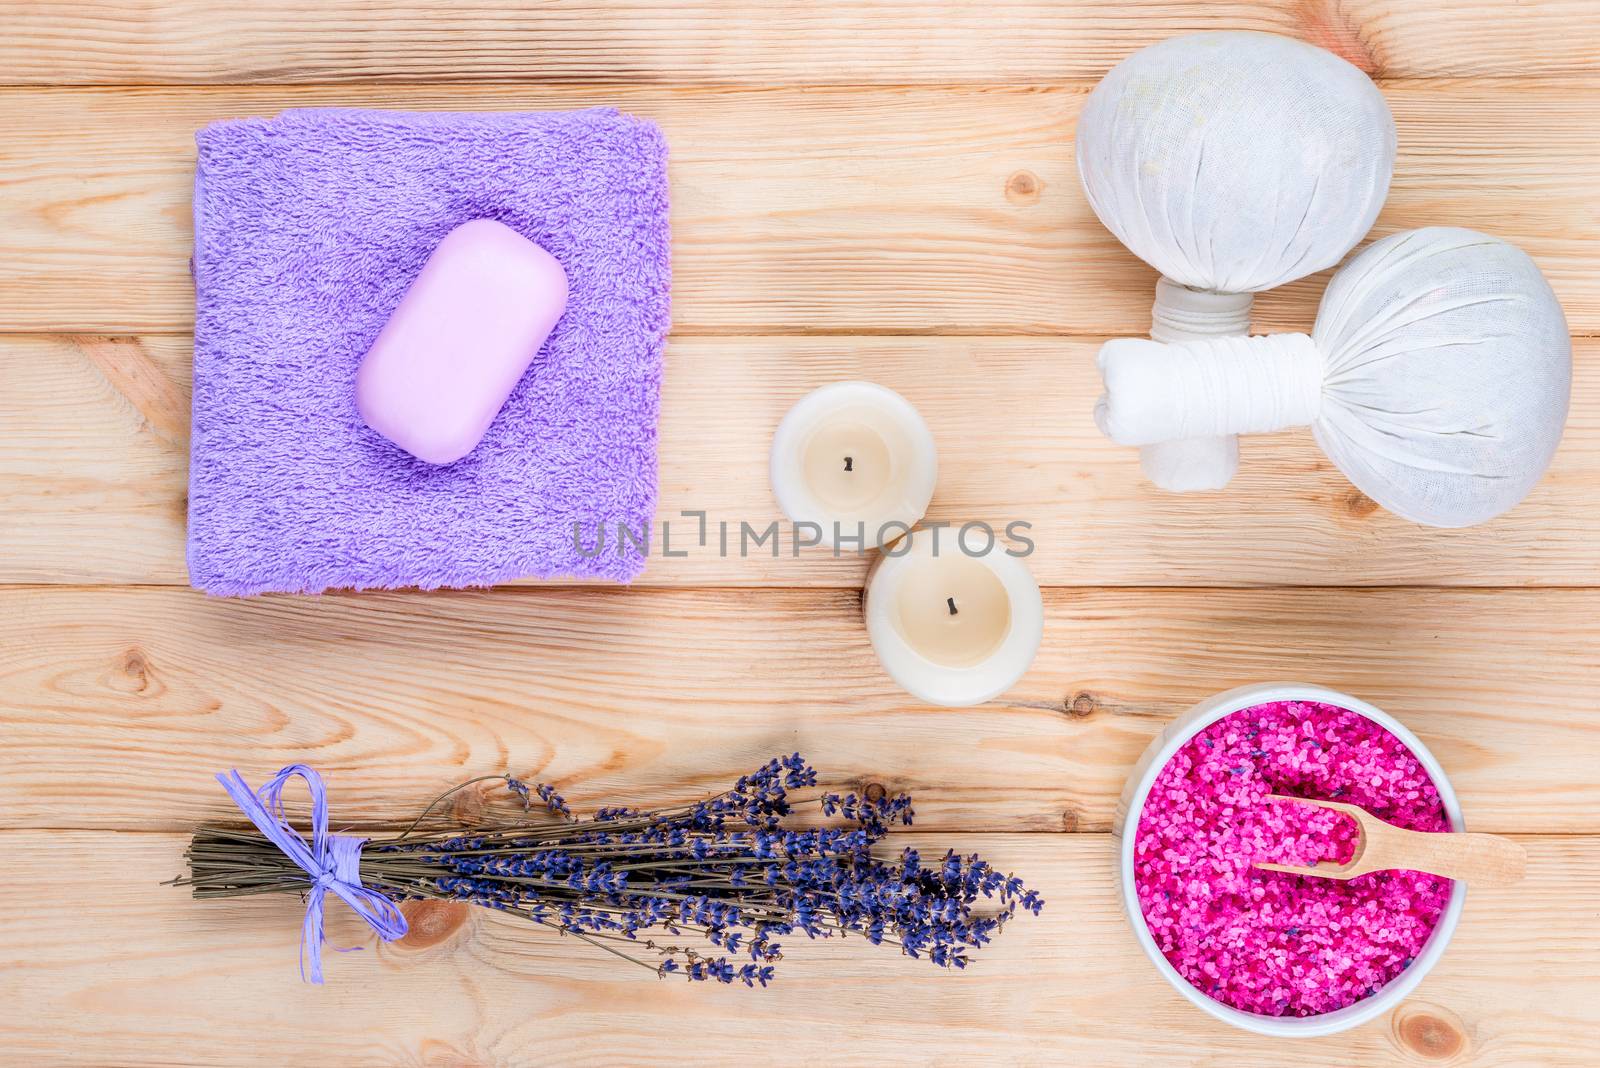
{"type": "Point", "coordinates": [1189, 465]}
{"type": "Point", "coordinates": [1233, 162]}
{"type": "Point", "coordinates": [1203, 389]}
{"type": "Point", "coordinates": [1449, 374]}
{"type": "Point", "coordinates": [1181, 313]}
{"type": "Point", "coordinates": [1437, 378]}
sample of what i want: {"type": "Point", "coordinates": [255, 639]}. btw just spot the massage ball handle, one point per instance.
{"type": "Point", "coordinates": [1208, 389]}
{"type": "Point", "coordinates": [1183, 313]}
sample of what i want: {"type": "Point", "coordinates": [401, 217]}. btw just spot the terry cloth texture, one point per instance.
{"type": "Point", "coordinates": [308, 229]}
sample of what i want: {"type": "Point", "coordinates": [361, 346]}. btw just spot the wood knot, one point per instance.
{"type": "Point", "coordinates": [136, 667]}
{"type": "Point", "coordinates": [1069, 821]}
{"type": "Point", "coordinates": [432, 922]}
{"type": "Point", "coordinates": [1358, 504]}
{"type": "Point", "coordinates": [468, 806]}
{"type": "Point", "coordinates": [133, 673]}
{"type": "Point", "coordinates": [1080, 705]}
{"type": "Point", "coordinates": [1023, 188]}
{"type": "Point", "coordinates": [1430, 1032]}
{"type": "Point", "coordinates": [440, 1054]}
{"type": "Point", "coordinates": [874, 793]}
{"type": "Point", "coordinates": [1324, 24]}
{"type": "Point", "coordinates": [144, 383]}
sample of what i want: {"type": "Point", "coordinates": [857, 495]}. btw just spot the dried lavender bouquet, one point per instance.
{"type": "Point", "coordinates": [647, 886]}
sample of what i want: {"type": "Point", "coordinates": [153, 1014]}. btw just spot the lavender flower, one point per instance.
{"type": "Point", "coordinates": [725, 872]}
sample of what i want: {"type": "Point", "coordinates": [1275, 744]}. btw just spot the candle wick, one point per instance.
{"type": "Point", "coordinates": [951, 601]}
{"type": "Point", "coordinates": [849, 463]}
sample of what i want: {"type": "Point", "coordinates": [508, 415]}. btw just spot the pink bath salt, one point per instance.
{"type": "Point", "coordinates": [1267, 942]}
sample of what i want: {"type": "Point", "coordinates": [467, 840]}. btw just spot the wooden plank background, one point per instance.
{"type": "Point", "coordinates": [190, 983]}
{"type": "Point", "coordinates": [872, 188]}
{"type": "Point", "coordinates": [964, 218]}
{"type": "Point", "coordinates": [120, 42]}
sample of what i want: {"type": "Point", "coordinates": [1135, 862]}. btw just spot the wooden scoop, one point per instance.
{"type": "Point", "coordinates": [1476, 859]}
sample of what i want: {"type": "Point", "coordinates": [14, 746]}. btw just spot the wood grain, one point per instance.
{"type": "Point", "coordinates": [138, 696]}
{"type": "Point", "coordinates": [798, 211]}
{"type": "Point", "coordinates": [94, 473]}
{"type": "Point", "coordinates": [855, 41]}
{"type": "Point", "coordinates": [841, 170]}
{"type": "Point", "coordinates": [122, 970]}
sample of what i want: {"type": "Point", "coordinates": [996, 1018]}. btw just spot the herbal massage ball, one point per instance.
{"type": "Point", "coordinates": [1436, 378]}
{"type": "Point", "coordinates": [1232, 163]}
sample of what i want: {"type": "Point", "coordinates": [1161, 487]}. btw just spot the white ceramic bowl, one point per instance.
{"type": "Point", "coordinates": [1131, 807]}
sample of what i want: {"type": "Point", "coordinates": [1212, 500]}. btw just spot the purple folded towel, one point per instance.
{"type": "Point", "coordinates": [308, 229]}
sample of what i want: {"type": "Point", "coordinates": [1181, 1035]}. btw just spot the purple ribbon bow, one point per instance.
{"type": "Point", "coordinates": [332, 861]}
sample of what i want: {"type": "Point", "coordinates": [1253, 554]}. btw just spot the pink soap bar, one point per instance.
{"type": "Point", "coordinates": [460, 340]}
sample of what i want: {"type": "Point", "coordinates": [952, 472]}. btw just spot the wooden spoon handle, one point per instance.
{"type": "Point", "coordinates": [1477, 859]}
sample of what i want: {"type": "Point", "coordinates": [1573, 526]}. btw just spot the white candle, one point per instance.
{"type": "Point", "coordinates": [856, 460]}
{"type": "Point", "coordinates": [952, 628]}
